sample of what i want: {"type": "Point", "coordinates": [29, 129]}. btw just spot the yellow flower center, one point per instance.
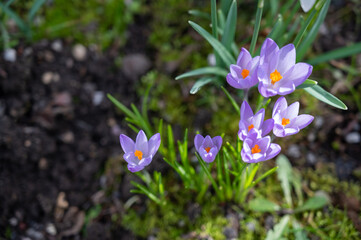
{"type": "Point", "coordinates": [245, 73]}
{"type": "Point", "coordinates": [250, 127]}
{"type": "Point", "coordinates": [138, 154]}
{"type": "Point", "coordinates": [256, 149]}
{"type": "Point", "coordinates": [285, 121]}
{"type": "Point", "coordinates": [207, 149]}
{"type": "Point", "coordinates": [275, 77]}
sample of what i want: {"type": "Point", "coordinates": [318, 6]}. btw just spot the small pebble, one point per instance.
{"type": "Point", "coordinates": [50, 229]}
{"type": "Point", "coordinates": [294, 151]}
{"type": "Point", "coordinates": [32, 233]}
{"type": "Point", "coordinates": [251, 226]}
{"type": "Point", "coordinates": [135, 65]}
{"type": "Point", "coordinates": [13, 221]}
{"type": "Point", "coordinates": [67, 137]}
{"type": "Point", "coordinates": [230, 233]}
{"type": "Point", "coordinates": [319, 121]}
{"type": "Point", "coordinates": [353, 138]}
{"type": "Point", "coordinates": [10, 55]}
{"type": "Point", "coordinates": [311, 158]}
{"type": "Point", "coordinates": [98, 98]}
{"type": "Point", "coordinates": [43, 163]}
{"type": "Point", "coordinates": [47, 77]}
{"type": "Point", "coordinates": [57, 46]}
{"type": "Point", "coordinates": [211, 60]}
{"type": "Point", "coordinates": [79, 52]}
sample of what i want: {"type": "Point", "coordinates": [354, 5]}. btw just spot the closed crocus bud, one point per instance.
{"type": "Point", "coordinates": [207, 147]}
{"type": "Point", "coordinates": [139, 154]}
{"type": "Point", "coordinates": [286, 119]}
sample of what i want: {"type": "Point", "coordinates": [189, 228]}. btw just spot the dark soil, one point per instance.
{"type": "Point", "coordinates": [57, 130]}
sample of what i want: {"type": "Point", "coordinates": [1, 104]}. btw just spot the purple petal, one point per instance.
{"type": "Point", "coordinates": [236, 72]}
{"type": "Point", "coordinates": [302, 121]}
{"type": "Point", "coordinates": [246, 111]}
{"type": "Point", "coordinates": [141, 143]}
{"type": "Point", "coordinates": [153, 144]}
{"type": "Point", "coordinates": [130, 158]}
{"type": "Point", "coordinates": [258, 157]}
{"type": "Point", "coordinates": [273, 151]}
{"type": "Point", "coordinates": [299, 73]}
{"type": "Point", "coordinates": [233, 82]}
{"type": "Point", "coordinates": [280, 105]}
{"type": "Point", "coordinates": [266, 92]}
{"type": "Point", "coordinates": [198, 140]}
{"type": "Point", "coordinates": [292, 111]}
{"type": "Point", "coordinates": [145, 161]}
{"type": "Point", "coordinates": [207, 142]}
{"type": "Point", "coordinates": [252, 65]}
{"type": "Point", "coordinates": [291, 131]}
{"type": "Point", "coordinates": [126, 143]}
{"type": "Point", "coordinates": [208, 157]}
{"type": "Point", "coordinates": [258, 118]}
{"type": "Point", "coordinates": [287, 58]}
{"type": "Point", "coordinates": [268, 48]}
{"type": "Point", "coordinates": [135, 168]}
{"type": "Point", "coordinates": [279, 130]}
{"type": "Point", "coordinates": [217, 141]}
{"type": "Point", "coordinates": [286, 87]}
{"type": "Point", "coordinates": [267, 126]}
{"type": "Point", "coordinates": [263, 143]}
{"type": "Point", "coordinates": [244, 58]}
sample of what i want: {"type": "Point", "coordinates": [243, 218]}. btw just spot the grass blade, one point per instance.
{"type": "Point", "coordinates": [15, 17]}
{"type": "Point", "coordinates": [199, 14]}
{"type": "Point", "coordinates": [35, 7]}
{"type": "Point", "coordinates": [218, 47]}
{"type": "Point", "coordinates": [203, 71]}
{"type": "Point", "coordinates": [122, 107]}
{"type": "Point", "coordinates": [337, 53]}
{"type": "Point", "coordinates": [326, 97]}
{"type": "Point", "coordinates": [256, 26]}
{"type": "Point", "coordinates": [305, 45]}
{"type": "Point", "coordinates": [230, 27]}
{"type": "Point", "coordinates": [233, 102]}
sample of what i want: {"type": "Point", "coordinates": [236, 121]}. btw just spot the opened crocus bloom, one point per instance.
{"type": "Point", "coordinates": [207, 147]}
{"type": "Point", "coordinates": [243, 75]}
{"type": "Point", "coordinates": [249, 121]}
{"type": "Point", "coordinates": [139, 154]}
{"type": "Point", "coordinates": [286, 119]}
{"type": "Point", "coordinates": [278, 73]}
{"type": "Point", "coordinates": [257, 149]}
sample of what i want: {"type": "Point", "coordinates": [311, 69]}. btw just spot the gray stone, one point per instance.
{"type": "Point", "coordinates": [50, 229]}
{"type": "Point", "coordinates": [98, 98]}
{"type": "Point", "coordinates": [251, 226]}
{"type": "Point", "coordinates": [311, 158]}
{"type": "Point", "coordinates": [10, 55]}
{"type": "Point", "coordinates": [57, 46]}
{"type": "Point", "coordinates": [294, 151]}
{"type": "Point", "coordinates": [79, 52]}
{"type": "Point", "coordinates": [135, 65]}
{"type": "Point", "coordinates": [353, 138]}
{"type": "Point", "coordinates": [230, 233]}
{"type": "Point", "coordinates": [33, 234]}
{"type": "Point", "coordinates": [211, 59]}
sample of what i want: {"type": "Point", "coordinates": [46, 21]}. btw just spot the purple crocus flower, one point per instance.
{"type": "Point", "coordinates": [257, 149]}
{"type": "Point", "coordinates": [207, 147]}
{"type": "Point", "coordinates": [278, 72]}
{"type": "Point", "coordinates": [243, 75]}
{"type": "Point", "coordinates": [139, 154]}
{"type": "Point", "coordinates": [249, 121]}
{"type": "Point", "coordinates": [286, 119]}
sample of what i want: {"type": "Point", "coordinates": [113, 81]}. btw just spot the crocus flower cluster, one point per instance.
{"type": "Point", "coordinates": [275, 70]}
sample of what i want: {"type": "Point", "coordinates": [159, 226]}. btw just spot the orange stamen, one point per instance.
{"type": "Point", "coordinates": [250, 127]}
{"type": "Point", "coordinates": [138, 154]}
{"type": "Point", "coordinates": [207, 149]}
{"type": "Point", "coordinates": [275, 77]}
{"type": "Point", "coordinates": [256, 149]}
{"type": "Point", "coordinates": [245, 73]}
{"type": "Point", "coordinates": [285, 121]}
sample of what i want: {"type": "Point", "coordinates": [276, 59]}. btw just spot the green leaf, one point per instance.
{"type": "Point", "coordinates": [299, 232]}
{"type": "Point", "coordinates": [218, 47]}
{"type": "Point", "coordinates": [263, 205]}
{"type": "Point", "coordinates": [203, 71]}
{"type": "Point", "coordinates": [326, 97]}
{"type": "Point", "coordinates": [336, 54]}
{"type": "Point", "coordinates": [278, 229]}
{"type": "Point", "coordinates": [313, 203]}
{"type": "Point", "coordinates": [276, 30]}
{"type": "Point", "coordinates": [307, 83]}
{"type": "Point", "coordinates": [35, 7]}
{"type": "Point", "coordinates": [284, 174]}
{"type": "Point", "coordinates": [199, 14]}
{"type": "Point", "coordinates": [311, 35]}
{"type": "Point", "coordinates": [200, 83]}
{"type": "Point", "coordinates": [230, 27]}
{"type": "Point", "coordinates": [256, 26]}
{"type": "Point", "coordinates": [266, 174]}
{"type": "Point", "coordinates": [304, 27]}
